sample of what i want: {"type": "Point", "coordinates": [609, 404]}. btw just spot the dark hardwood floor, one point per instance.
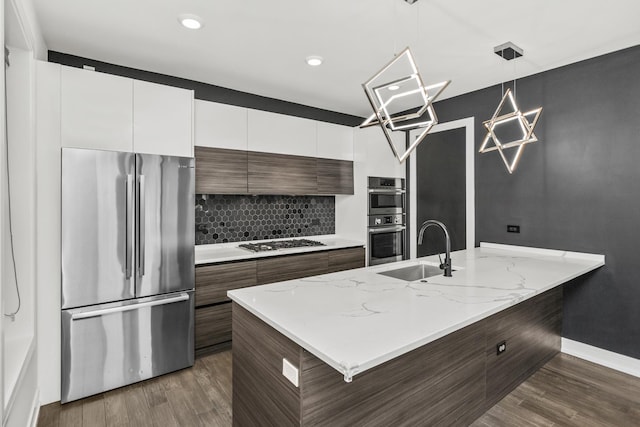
{"type": "Point", "coordinates": [567, 391]}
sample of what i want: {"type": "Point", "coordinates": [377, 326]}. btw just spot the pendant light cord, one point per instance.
{"type": "Point", "coordinates": [6, 135]}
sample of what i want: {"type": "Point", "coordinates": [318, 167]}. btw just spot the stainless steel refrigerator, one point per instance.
{"type": "Point", "coordinates": [127, 268]}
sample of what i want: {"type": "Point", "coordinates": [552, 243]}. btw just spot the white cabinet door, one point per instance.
{"type": "Point", "coordinates": [96, 110]}
{"type": "Point", "coordinates": [335, 141]}
{"type": "Point", "coordinates": [162, 119]}
{"type": "Point", "coordinates": [220, 126]}
{"type": "Point", "coordinates": [376, 153]}
{"type": "Point", "coordinates": [279, 133]}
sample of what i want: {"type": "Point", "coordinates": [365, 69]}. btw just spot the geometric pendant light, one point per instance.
{"type": "Point", "coordinates": [507, 112]}
{"type": "Point", "coordinates": [501, 118]}
{"type": "Point", "coordinates": [401, 101]}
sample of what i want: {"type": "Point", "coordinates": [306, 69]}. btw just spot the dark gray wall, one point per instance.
{"type": "Point", "coordinates": [576, 189]}
{"type": "Point", "coordinates": [441, 191]}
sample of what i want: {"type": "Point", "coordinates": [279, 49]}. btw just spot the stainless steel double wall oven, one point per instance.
{"type": "Point", "coordinates": [386, 219]}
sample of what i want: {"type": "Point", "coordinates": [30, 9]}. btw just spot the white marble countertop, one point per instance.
{"type": "Point", "coordinates": [357, 319]}
{"type": "Point", "coordinates": [222, 252]}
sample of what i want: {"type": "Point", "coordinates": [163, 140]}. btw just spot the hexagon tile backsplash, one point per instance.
{"type": "Point", "coordinates": [231, 218]}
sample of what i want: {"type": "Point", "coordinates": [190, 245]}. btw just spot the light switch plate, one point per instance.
{"type": "Point", "coordinates": [290, 372]}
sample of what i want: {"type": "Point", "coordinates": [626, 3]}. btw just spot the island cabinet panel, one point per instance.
{"type": "Point", "coordinates": [451, 381]}
{"type": "Point", "coordinates": [345, 259]}
{"type": "Point", "coordinates": [438, 384]}
{"type": "Point", "coordinates": [213, 281]}
{"type": "Point", "coordinates": [531, 331]}
{"type": "Point", "coordinates": [212, 325]}
{"type": "Point", "coordinates": [335, 176]}
{"type": "Point", "coordinates": [220, 171]}
{"type": "Point", "coordinates": [282, 174]}
{"type": "Point", "coordinates": [261, 394]}
{"type": "Point", "coordinates": [279, 269]}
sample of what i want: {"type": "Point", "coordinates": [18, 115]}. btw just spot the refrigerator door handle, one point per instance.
{"type": "Point", "coordinates": [141, 225]}
{"type": "Point", "coordinates": [129, 307]}
{"type": "Point", "coordinates": [128, 250]}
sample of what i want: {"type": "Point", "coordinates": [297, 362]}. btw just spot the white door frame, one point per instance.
{"type": "Point", "coordinates": [468, 124]}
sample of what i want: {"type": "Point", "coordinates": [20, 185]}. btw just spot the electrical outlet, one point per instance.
{"type": "Point", "coordinates": [501, 348]}
{"type": "Point", "coordinates": [513, 228]}
{"type": "Point", "coordinates": [290, 372]}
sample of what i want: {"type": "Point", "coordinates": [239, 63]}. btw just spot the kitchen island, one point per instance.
{"type": "Point", "coordinates": [362, 348]}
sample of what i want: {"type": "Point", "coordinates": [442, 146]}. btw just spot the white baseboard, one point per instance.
{"type": "Point", "coordinates": [607, 358]}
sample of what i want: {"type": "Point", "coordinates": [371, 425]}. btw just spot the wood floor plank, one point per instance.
{"type": "Point", "coordinates": [71, 414]}
{"type": "Point", "coordinates": [567, 391]}
{"type": "Point", "coordinates": [49, 415]}
{"type": "Point", "coordinates": [93, 413]}
{"type": "Point", "coordinates": [137, 408]}
{"type": "Point", "coordinates": [154, 392]}
{"type": "Point", "coordinates": [115, 407]}
{"type": "Point", "coordinates": [162, 415]}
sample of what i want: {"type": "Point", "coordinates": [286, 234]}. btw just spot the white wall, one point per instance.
{"type": "Point", "coordinates": [19, 378]}
{"type": "Point", "coordinates": [372, 157]}
{"type": "Point", "coordinates": [48, 228]}
{"type": "Point", "coordinates": [2, 216]}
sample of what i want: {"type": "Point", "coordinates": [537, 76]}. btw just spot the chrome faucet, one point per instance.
{"type": "Point", "coordinates": [446, 266]}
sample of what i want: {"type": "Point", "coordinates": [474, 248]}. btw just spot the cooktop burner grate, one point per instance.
{"type": "Point", "coordinates": [279, 244]}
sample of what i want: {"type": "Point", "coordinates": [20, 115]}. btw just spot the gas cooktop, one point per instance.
{"type": "Point", "coordinates": [279, 244]}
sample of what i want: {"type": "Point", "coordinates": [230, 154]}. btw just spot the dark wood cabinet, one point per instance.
{"type": "Point", "coordinates": [281, 174]}
{"type": "Point", "coordinates": [278, 269]}
{"type": "Point", "coordinates": [335, 176]}
{"type": "Point", "coordinates": [220, 171]}
{"type": "Point", "coordinates": [531, 331]}
{"type": "Point", "coordinates": [450, 381]}
{"type": "Point", "coordinates": [213, 281]}
{"type": "Point", "coordinates": [213, 307]}
{"type": "Point", "coordinates": [345, 259]}
{"type": "Point", "coordinates": [213, 326]}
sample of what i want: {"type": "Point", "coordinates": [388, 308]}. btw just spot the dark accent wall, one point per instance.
{"type": "Point", "coordinates": [231, 218]}
{"type": "Point", "coordinates": [577, 189]}
{"type": "Point", "coordinates": [209, 92]}
{"type": "Point", "coordinates": [441, 191]}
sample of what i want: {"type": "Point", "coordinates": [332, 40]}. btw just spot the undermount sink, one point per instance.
{"type": "Point", "coordinates": [414, 272]}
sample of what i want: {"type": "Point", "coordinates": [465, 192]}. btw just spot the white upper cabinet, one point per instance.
{"type": "Point", "coordinates": [373, 150]}
{"type": "Point", "coordinates": [335, 141]}
{"type": "Point", "coordinates": [106, 112]}
{"type": "Point", "coordinates": [96, 110]}
{"type": "Point", "coordinates": [220, 126]}
{"type": "Point", "coordinates": [162, 119]}
{"type": "Point", "coordinates": [279, 133]}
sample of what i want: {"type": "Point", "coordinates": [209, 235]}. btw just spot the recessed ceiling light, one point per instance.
{"type": "Point", "coordinates": [314, 60]}
{"type": "Point", "coordinates": [190, 21]}
{"type": "Point", "coordinates": [394, 87]}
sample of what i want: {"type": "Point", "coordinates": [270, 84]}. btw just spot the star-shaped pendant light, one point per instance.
{"type": "Point", "coordinates": [507, 114]}
{"type": "Point", "coordinates": [401, 101]}
{"type": "Point", "coordinates": [500, 118]}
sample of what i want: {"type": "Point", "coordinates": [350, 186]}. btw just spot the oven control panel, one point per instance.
{"type": "Point", "coordinates": [386, 220]}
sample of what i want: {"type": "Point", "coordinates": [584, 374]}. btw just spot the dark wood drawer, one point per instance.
{"type": "Point", "coordinates": [291, 267]}
{"type": "Point", "coordinates": [213, 281]}
{"type": "Point", "coordinates": [345, 259]}
{"type": "Point", "coordinates": [213, 325]}
{"type": "Point", "coordinates": [220, 171]}
{"type": "Point", "coordinates": [335, 176]}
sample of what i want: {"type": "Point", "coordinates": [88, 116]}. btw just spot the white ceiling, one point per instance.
{"type": "Point", "coordinates": [260, 46]}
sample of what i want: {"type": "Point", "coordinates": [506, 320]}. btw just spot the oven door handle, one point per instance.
{"type": "Point", "coordinates": [385, 229]}
{"type": "Point", "coordinates": [387, 191]}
